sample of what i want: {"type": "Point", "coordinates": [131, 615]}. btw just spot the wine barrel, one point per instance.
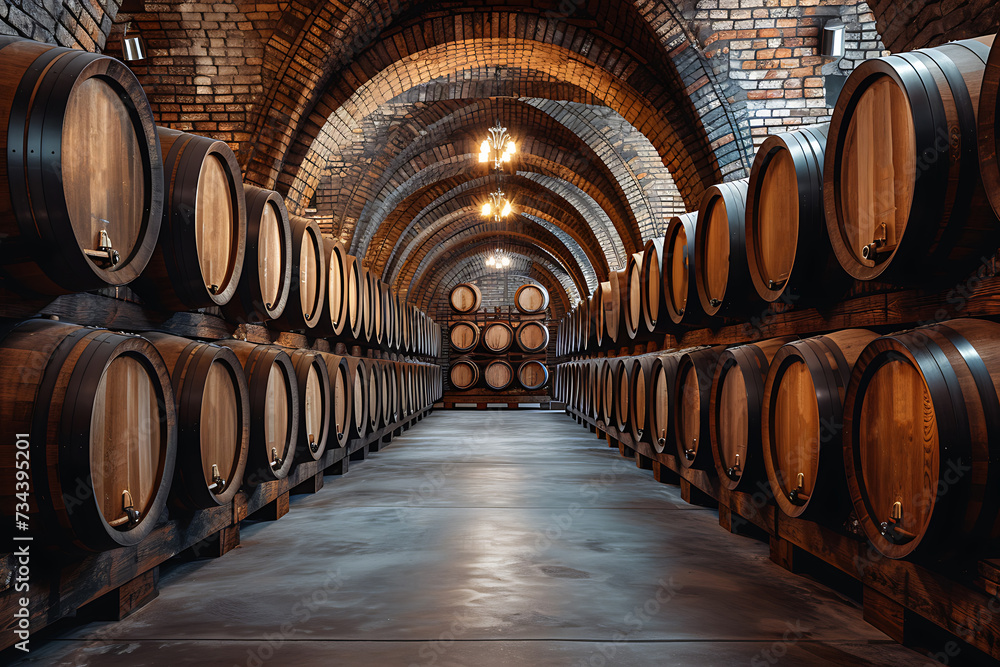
{"type": "Point", "coordinates": [722, 275]}
{"type": "Point", "coordinates": [355, 290]}
{"type": "Point", "coordinates": [81, 200]}
{"type": "Point", "coordinates": [377, 335]}
{"type": "Point", "coordinates": [265, 281]}
{"type": "Point", "coordinates": [635, 324]}
{"type": "Point", "coordinates": [620, 394]}
{"type": "Point", "coordinates": [498, 374]}
{"type": "Point", "coordinates": [802, 419]}
{"type": "Point", "coordinates": [613, 304]}
{"type": "Point", "coordinates": [788, 251]}
{"type": "Point", "coordinates": [274, 410]}
{"type": "Point", "coordinates": [533, 336]}
{"type": "Point", "coordinates": [922, 439]}
{"type": "Point", "coordinates": [213, 420]}
{"type": "Point", "coordinates": [735, 409]}
{"type": "Point", "coordinates": [497, 337]}
{"type": "Point", "coordinates": [199, 257]}
{"type": "Point", "coordinates": [902, 188]}
{"type": "Point", "coordinates": [532, 375]}
{"type": "Point", "coordinates": [315, 407]}
{"type": "Point", "coordinates": [651, 294]}
{"type": "Point", "coordinates": [390, 411]}
{"type": "Point", "coordinates": [690, 405]}
{"type": "Point", "coordinates": [989, 128]}
{"type": "Point", "coordinates": [102, 440]}
{"type": "Point", "coordinates": [680, 294]}
{"type": "Point", "coordinates": [367, 302]}
{"type": "Point", "coordinates": [375, 391]}
{"type": "Point", "coordinates": [405, 329]}
{"type": "Point", "coordinates": [308, 293]}
{"type": "Point", "coordinates": [358, 378]}
{"type": "Point", "coordinates": [606, 391]}
{"type": "Point", "coordinates": [341, 395]}
{"type": "Point", "coordinates": [596, 317]}
{"type": "Point", "coordinates": [640, 375]}
{"type": "Point", "coordinates": [465, 298]}
{"type": "Point", "coordinates": [531, 299]}
{"type": "Point", "coordinates": [335, 317]}
{"type": "Point", "coordinates": [464, 336]}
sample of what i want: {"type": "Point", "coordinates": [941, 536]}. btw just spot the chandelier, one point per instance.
{"type": "Point", "coordinates": [498, 259]}
{"type": "Point", "coordinates": [498, 147]}
{"type": "Point", "coordinates": [497, 207]}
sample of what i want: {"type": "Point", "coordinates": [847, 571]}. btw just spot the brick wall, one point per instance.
{"type": "Point", "coordinates": [79, 24]}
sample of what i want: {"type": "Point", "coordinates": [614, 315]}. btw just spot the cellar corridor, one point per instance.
{"type": "Point", "coordinates": [487, 538]}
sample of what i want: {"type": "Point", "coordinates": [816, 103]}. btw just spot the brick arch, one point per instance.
{"type": "Point", "coordinates": [467, 263]}
{"type": "Point", "coordinates": [917, 24]}
{"type": "Point", "coordinates": [444, 196]}
{"type": "Point", "coordinates": [648, 99]}
{"type": "Point", "coordinates": [472, 229]}
{"type": "Point", "coordinates": [466, 169]}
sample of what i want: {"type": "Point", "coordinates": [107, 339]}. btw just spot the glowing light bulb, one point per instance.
{"type": "Point", "coordinates": [484, 147]}
{"type": "Point", "coordinates": [483, 157]}
{"type": "Point", "coordinates": [506, 157]}
{"type": "Point", "coordinates": [506, 260]}
{"type": "Point", "coordinates": [510, 147]}
{"type": "Point", "coordinates": [506, 209]}
{"type": "Point", "coordinates": [490, 261]}
{"type": "Point", "coordinates": [487, 209]}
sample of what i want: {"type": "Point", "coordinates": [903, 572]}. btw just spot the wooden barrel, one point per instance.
{"type": "Point", "coordinates": [679, 286]}
{"type": "Point", "coordinates": [802, 420]}
{"type": "Point", "coordinates": [989, 128]}
{"type": "Point", "coordinates": [614, 303]}
{"type": "Point", "coordinates": [367, 321]}
{"type": "Point", "coordinates": [651, 294]}
{"type": "Point", "coordinates": [308, 290]}
{"type": "Point", "coordinates": [390, 411]}
{"type": "Point", "coordinates": [377, 335]}
{"type": "Point", "coordinates": [620, 393]}
{"type": "Point", "coordinates": [922, 440]}
{"type": "Point", "coordinates": [690, 405]}
{"type": "Point", "coordinates": [722, 275]}
{"type": "Point", "coordinates": [199, 257]}
{"type": "Point", "coordinates": [405, 392]}
{"type": "Point", "coordinates": [606, 391]}
{"type": "Point", "coordinates": [341, 395]}
{"type": "Point", "coordinates": [596, 317]}
{"type": "Point", "coordinates": [274, 410]}
{"type": "Point", "coordinates": [213, 420]}
{"type": "Point", "coordinates": [464, 336]}
{"type": "Point", "coordinates": [639, 399]}
{"type": "Point", "coordinates": [354, 330]}
{"type": "Point", "coordinates": [358, 377]}
{"type": "Point", "coordinates": [99, 413]}
{"type": "Point", "coordinates": [532, 374]}
{"type": "Point", "coordinates": [375, 391]}
{"type": "Point", "coordinates": [533, 336]}
{"type": "Point", "coordinates": [334, 320]}
{"type": "Point", "coordinates": [265, 281]}
{"type": "Point", "coordinates": [407, 325]}
{"type": "Point", "coordinates": [498, 374]}
{"type": "Point", "coordinates": [315, 408]}
{"type": "Point", "coordinates": [788, 251]}
{"type": "Point", "coordinates": [635, 323]}
{"type": "Point", "coordinates": [531, 299]}
{"type": "Point", "coordinates": [735, 409]}
{"type": "Point", "coordinates": [397, 320]}
{"type": "Point", "coordinates": [902, 187]}
{"type": "Point", "coordinates": [82, 160]}
{"type": "Point", "coordinates": [465, 298]}
{"type": "Point", "coordinates": [497, 337]}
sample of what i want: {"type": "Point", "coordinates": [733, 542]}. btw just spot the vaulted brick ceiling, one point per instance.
{"type": "Point", "coordinates": [368, 115]}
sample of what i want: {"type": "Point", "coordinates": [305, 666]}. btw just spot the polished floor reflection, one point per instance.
{"type": "Point", "coordinates": [488, 538]}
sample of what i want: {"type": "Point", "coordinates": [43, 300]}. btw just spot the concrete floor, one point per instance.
{"type": "Point", "coordinates": [488, 538]}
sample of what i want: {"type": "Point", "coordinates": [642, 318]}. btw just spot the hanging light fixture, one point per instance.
{"type": "Point", "coordinates": [498, 147]}
{"type": "Point", "coordinates": [134, 47]}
